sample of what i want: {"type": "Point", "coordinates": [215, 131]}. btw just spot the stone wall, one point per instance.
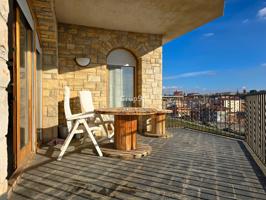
{"type": "Point", "coordinates": [151, 79]}
{"type": "Point", "coordinates": [4, 80]}
{"type": "Point", "coordinates": [47, 29]}
{"type": "Point", "coordinates": [80, 41]}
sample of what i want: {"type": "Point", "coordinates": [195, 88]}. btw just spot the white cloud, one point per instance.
{"type": "Point", "coordinates": [190, 74]}
{"type": "Point", "coordinates": [170, 87]}
{"type": "Point", "coordinates": [245, 21]}
{"type": "Point", "coordinates": [208, 34]}
{"type": "Point", "coordinates": [263, 64]}
{"type": "Point", "coordinates": [262, 13]}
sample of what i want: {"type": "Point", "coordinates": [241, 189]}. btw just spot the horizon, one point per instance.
{"type": "Point", "coordinates": [227, 54]}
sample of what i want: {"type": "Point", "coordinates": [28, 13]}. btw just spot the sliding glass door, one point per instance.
{"type": "Point", "coordinates": [121, 86]}
{"type": "Point", "coordinates": [122, 66]}
{"type": "Point", "coordinates": [23, 97]}
{"type": "Point", "coordinates": [38, 109]}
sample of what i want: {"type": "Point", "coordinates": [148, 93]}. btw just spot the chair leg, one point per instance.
{"type": "Point", "coordinates": [93, 139]}
{"type": "Point", "coordinates": [68, 140]}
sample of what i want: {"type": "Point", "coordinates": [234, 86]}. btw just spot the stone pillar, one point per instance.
{"type": "Point", "coordinates": [151, 85]}
{"type": "Point", "coordinates": [4, 80]}
{"type": "Point", "coordinates": [47, 29]}
{"type": "Point", "coordinates": [151, 75]}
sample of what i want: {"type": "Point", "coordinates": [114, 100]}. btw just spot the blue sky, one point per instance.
{"type": "Point", "coordinates": [226, 54]}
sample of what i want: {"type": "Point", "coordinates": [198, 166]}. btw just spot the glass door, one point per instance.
{"type": "Point", "coordinates": [121, 86]}
{"type": "Point", "coordinates": [24, 63]}
{"type": "Point", "coordinates": [38, 111]}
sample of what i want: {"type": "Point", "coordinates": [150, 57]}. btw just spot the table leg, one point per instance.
{"type": "Point", "coordinates": [125, 132]}
{"type": "Point", "coordinates": [159, 124]}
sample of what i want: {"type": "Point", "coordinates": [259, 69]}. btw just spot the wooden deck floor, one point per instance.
{"type": "Point", "coordinates": [190, 165]}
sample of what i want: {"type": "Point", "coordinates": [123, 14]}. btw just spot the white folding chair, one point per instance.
{"type": "Point", "coordinates": [102, 120]}
{"type": "Point", "coordinates": [74, 122]}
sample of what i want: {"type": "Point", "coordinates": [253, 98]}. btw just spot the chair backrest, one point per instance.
{"type": "Point", "coordinates": [67, 109]}
{"type": "Point", "coordinates": [86, 102]}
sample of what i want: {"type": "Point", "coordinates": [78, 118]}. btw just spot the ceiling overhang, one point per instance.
{"type": "Point", "coordinates": [171, 18]}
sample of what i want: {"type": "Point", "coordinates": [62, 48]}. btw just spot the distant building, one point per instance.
{"type": "Point", "coordinates": [193, 94]}
{"type": "Point", "coordinates": [233, 103]}
{"type": "Point", "coordinates": [217, 108]}
{"type": "Point", "coordinates": [178, 93]}
{"type": "Point", "coordinates": [220, 116]}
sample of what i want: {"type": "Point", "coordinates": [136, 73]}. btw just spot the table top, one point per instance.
{"type": "Point", "coordinates": [163, 111]}
{"type": "Point", "coordinates": [131, 111]}
{"type": "Point", "coordinates": [127, 111]}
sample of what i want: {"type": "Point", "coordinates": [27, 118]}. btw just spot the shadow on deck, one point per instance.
{"type": "Point", "coordinates": [190, 165]}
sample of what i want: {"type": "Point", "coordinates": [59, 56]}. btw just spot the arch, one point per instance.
{"type": "Point", "coordinates": [122, 77]}
{"type": "Point", "coordinates": [121, 57]}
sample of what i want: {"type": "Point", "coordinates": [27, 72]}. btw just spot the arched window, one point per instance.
{"type": "Point", "coordinates": [121, 64]}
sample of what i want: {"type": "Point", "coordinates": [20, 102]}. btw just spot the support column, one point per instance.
{"type": "Point", "coordinates": [4, 80]}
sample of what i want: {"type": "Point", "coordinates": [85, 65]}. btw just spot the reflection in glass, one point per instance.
{"type": "Point", "coordinates": [39, 98]}
{"type": "Point", "coordinates": [25, 51]}
{"type": "Point", "coordinates": [128, 86]}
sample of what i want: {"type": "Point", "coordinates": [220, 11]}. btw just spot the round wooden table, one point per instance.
{"type": "Point", "coordinates": [158, 124]}
{"type": "Point", "coordinates": [125, 138]}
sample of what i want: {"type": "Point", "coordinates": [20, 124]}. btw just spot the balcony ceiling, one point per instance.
{"type": "Point", "coordinates": [171, 18]}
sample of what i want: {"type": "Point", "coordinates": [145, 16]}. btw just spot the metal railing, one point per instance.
{"type": "Point", "coordinates": [222, 114]}
{"type": "Point", "coordinates": [255, 128]}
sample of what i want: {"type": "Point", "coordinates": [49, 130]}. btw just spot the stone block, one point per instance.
{"type": "Point", "coordinates": [50, 122]}
{"type": "Point", "coordinates": [4, 113]}
{"type": "Point", "coordinates": [3, 39]}
{"type": "Point", "coordinates": [4, 9]}
{"type": "Point", "coordinates": [3, 159]}
{"type": "Point", "coordinates": [50, 101]}
{"type": "Point", "coordinates": [52, 111]}
{"type": "Point", "coordinates": [94, 78]}
{"type": "Point", "coordinates": [4, 74]}
{"type": "Point", "coordinates": [70, 46]}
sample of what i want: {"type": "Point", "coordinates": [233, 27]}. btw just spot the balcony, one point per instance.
{"type": "Point", "coordinates": [190, 165]}
{"type": "Point", "coordinates": [126, 57]}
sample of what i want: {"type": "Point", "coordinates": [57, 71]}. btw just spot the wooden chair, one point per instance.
{"type": "Point", "coordinates": [102, 120]}
{"type": "Point", "coordinates": [76, 124]}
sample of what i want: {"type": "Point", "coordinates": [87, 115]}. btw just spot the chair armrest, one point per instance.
{"type": "Point", "coordinates": [105, 119]}
{"type": "Point", "coordinates": [79, 116]}
{"type": "Point", "coordinates": [89, 113]}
